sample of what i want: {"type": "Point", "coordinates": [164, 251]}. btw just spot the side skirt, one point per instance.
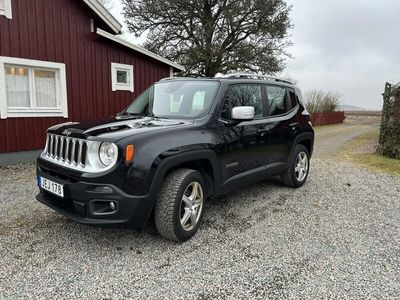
{"type": "Point", "coordinates": [253, 176]}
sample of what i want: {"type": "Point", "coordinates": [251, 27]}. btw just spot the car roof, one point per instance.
{"type": "Point", "coordinates": [275, 81]}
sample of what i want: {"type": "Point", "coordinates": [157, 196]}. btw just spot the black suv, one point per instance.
{"type": "Point", "coordinates": [179, 143]}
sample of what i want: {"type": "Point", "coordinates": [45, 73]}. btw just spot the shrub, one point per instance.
{"type": "Point", "coordinates": [320, 101]}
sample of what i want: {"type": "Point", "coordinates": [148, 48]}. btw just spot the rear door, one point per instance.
{"type": "Point", "coordinates": [283, 123]}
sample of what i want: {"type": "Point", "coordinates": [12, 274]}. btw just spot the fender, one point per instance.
{"type": "Point", "coordinates": [303, 137]}
{"type": "Point", "coordinates": [181, 158]}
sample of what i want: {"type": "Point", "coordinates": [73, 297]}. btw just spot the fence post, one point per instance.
{"type": "Point", "coordinates": [396, 116]}
{"type": "Point", "coordinates": [389, 137]}
{"type": "Point", "coordinates": [385, 116]}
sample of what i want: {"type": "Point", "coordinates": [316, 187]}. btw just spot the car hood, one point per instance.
{"type": "Point", "coordinates": [116, 128]}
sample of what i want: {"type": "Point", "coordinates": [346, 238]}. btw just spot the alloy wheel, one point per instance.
{"type": "Point", "coordinates": [191, 206]}
{"type": "Point", "coordinates": [301, 168]}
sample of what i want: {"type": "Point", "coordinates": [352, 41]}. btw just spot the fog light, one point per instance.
{"type": "Point", "coordinates": [103, 207]}
{"type": "Point", "coordinates": [103, 189]}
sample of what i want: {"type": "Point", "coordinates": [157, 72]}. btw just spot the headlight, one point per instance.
{"type": "Point", "coordinates": [108, 153]}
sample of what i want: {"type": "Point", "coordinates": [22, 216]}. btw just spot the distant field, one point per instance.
{"type": "Point", "coordinates": [363, 113]}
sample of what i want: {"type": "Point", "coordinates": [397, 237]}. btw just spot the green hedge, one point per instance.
{"type": "Point", "coordinates": [389, 137]}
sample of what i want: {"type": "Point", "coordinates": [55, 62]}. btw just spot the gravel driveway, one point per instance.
{"type": "Point", "coordinates": [337, 237]}
{"type": "Point", "coordinates": [331, 139]}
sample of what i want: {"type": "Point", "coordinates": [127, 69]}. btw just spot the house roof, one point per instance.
{"type": "Point", "coordinates": [139, 49]}
{"type": "Point", "coordinates": [105, 15]}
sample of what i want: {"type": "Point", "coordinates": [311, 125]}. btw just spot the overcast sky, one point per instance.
{"type": "Point", "coordinates": [351, 47]}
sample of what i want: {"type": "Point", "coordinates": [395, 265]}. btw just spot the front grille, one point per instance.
{"type": "Point", "coordinates": [66, 150]}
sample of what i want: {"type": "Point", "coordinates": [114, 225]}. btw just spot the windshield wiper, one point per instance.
{"type": "Point", "coordinates": [125, 113]}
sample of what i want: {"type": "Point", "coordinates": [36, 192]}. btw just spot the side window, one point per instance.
{"type": "Point", "coordinates": [277, 100]}
{"type": "Point", "coordinates": [243, 95]}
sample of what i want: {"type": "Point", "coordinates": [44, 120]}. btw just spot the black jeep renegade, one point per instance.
{"type": "Point", "coordinates": [179, 143]}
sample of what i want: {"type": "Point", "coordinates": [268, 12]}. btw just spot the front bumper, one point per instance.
{"type": "Point", "coordinates": [80, 198]}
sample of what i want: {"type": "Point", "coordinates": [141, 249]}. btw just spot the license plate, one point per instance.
{"type": "Point", "coordinates": [51, 186]}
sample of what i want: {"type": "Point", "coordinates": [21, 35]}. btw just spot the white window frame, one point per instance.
{"type": "Point", "coordinates": [120, 86]}
{"type": "Point", "coordinates": [7, 10]}
{"type": "Point", "coordinates": [61, 89]}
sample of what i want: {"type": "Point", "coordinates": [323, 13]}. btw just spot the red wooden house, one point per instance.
{"type": "Point", "coordinates": [61, 60]}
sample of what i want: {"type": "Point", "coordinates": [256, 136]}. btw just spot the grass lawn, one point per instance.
{"type": "Point", "coordinates": [354, 153]}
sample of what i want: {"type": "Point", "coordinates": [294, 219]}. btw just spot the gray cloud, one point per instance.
{"type": "Point", "coordinates": [346, 46]}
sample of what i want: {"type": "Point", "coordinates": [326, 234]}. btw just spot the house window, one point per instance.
{"type": "Point", "coordinates": [5, 8]}
{"type": "Point", "coordinates": [122, 77]}
{"type": "Point", "coordinates": [30, 88]}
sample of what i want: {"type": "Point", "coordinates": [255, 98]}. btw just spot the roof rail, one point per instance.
{"type": "Point", "coordinates": [253, 76]}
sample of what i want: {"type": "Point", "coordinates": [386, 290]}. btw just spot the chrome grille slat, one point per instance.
{"type": "Point", "coordinates": [56, 147]}
{"type": "Point", "coordinates": [67, 150]}
{"type": "Point", "coordinates": [62, 148]}
{"type": "Point", "coordinates": [73, 151]}
{"type": "Point", "coordinates": [80, 153]}
{"type": "Point", "coordinates": [51, 146]}
{"type": "Point", "coordinates": [46, 148]}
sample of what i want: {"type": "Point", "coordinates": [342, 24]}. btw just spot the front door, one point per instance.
{"type": "Point", "coordinates": [243, 146]}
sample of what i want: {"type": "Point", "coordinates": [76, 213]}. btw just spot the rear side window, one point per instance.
{"type": "Point", "coordinates": [277, 100]}
{"type": "Point", "coordinates": [243, 95]}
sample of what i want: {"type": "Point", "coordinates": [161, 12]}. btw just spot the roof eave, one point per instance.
{"type": "Point", "coordinates": [139, 49]}
{"type": "Point", "coordinates": [107, 17]}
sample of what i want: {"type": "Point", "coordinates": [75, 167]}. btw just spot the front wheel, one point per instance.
{"type": "Point", "coordinates": [180, 205]}
{"type": "Point", "coordinates": [299, 166]}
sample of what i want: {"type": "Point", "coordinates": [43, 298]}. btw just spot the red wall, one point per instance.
{"type": "Point", "coordinates": [326, 118]}
{"type": "Point", "coordinates": [59, 31]}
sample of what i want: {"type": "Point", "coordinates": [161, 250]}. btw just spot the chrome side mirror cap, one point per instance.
{"type": "Point", "coordinates": [243, 113]}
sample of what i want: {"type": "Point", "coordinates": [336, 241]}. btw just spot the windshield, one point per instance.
{"type": "Point", "coordinates": [175, 99]}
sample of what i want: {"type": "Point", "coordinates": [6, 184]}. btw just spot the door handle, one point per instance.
{"type": "Point", "coordinates": [294, 125]}
{"type": "Point", "coordinates": [263, 131]}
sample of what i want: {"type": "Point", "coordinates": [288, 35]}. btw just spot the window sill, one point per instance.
{"type": "Point", "coordinates": [33, 114]}
{"type": "Point", "coordinates": [117, 87]}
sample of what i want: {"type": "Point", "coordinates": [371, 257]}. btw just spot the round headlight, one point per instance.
{"type": "Point", "coordinates": [108, 153]}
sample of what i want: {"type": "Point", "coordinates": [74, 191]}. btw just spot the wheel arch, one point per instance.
{"type": "Point", "coordinates": [307, 140]}
{"type": "Point", "coordinates": [204, 161]}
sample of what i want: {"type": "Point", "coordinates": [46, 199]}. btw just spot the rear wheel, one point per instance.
{"type": "Point", "coordinates": [180, 205]}
{"type": "Point", "coordinates": [299, 166]}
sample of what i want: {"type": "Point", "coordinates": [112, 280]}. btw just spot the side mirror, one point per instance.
{"type": "Point", "coordinates": [243, 113]}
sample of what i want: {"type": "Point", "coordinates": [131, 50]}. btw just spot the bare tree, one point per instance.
{"type": "Point", "coordinates": [108, 4]}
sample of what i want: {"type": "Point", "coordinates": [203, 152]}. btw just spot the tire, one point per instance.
{"type": "Point", "coordinates": [180, 205]}
{"type": "Point", "coordinates": [292, 176]}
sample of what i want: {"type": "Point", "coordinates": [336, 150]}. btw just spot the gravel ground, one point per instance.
{"type": "Point", "coordinates": [337, 237]}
